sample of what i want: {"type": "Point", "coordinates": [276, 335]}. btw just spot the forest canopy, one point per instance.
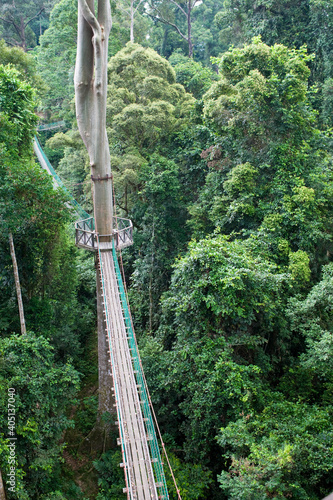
{"type": "Point", "coordinates": [223, 161]}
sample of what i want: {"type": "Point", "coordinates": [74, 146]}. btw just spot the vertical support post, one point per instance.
{"type": "Point", "coordinates": [105, 399]}
{"type": "Point", "coordinates": [17, 284]}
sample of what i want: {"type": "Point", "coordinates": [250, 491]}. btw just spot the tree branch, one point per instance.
{"type": "Point", "coordinates": [136, 8]}
{"type": "Point", "coordinates": [179, 7]}
{"type": "Point", "coordinates": [164, 21]}
{"type": "Point", "coordinates": [123, 10]}
{"type": "Point", "coordinates": [11, 43]}
{"type": "Point", "coordinates": [41, 10]}
{"type": "Point", "coordinates": [12, 22]}
{"type": "Point", "coordinates": [90, 17]}
{"type": "Point", "coordinates": [6, 20]}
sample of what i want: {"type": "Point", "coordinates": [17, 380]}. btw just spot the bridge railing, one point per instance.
{"type": "Point", "coordinates": [143, 390]}
{"type": "Point", "coordinates": [123, 233]}
{"type": "Point", "coordinates": [86, 236]}
{"type": "Point", "coordinates": [51, 126]}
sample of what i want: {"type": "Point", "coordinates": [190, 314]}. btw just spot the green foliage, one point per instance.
{"type": "Point", "coordinates": [85, 416]}
{"type": "Point", "coordinates": [16, 114]}
{"type": "Point", "coordinates": [146, 105]}
{"type": "Point", "coordinates": [197, 387]}
{"type": "Point", "coordinates": [276, 21]}
{"type": "Point", "coordinates": [192, 480]}
{"type": "Point", "coordinates": [221, 288]}
{"type": "Point", "coordinates": [120, 33]}
{"type": "Point", "coordinates": [242, 336]}
{"type": "Point", "coordinates": [36, 215]}
{"type": "Point", "coordinates": [160, 213]}
{"type": "Point", "coordinates": [111, 476]}
{"type": "Point", "coordinates": [268, 167]}
{"type": "Point", "coordinates": [282, 452]}
{"type": "Point", "coordinates": [299, 266]}
{"type": "Point", "coordinates": [195, 78]}
{"type": "Point", "coordinates": [293, 24]}
{"type": "Point", "coordinates": [206, 40]}
{"type": "Point", "coordinates": [56, 58]}
{"type": "Point", "coordinates": [23, 62]}
{"type": "Point", "coordinates": [311, 317]}
{"type": "Point", "coordinates": [43, 390]}
{"type": "Point", "coordinates": [73, 167]}
{"type": "Point", "coordinates": [17, 21]}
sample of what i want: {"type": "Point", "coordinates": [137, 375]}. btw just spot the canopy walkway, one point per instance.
{"type": "Point", "coordinates": [142, 463]}
{"type": "Point", "coordinates": [51, 126]}
{"type": "Point", "coordinates": [141, 457]}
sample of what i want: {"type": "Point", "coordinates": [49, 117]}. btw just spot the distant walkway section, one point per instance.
{"type": "Point", "coordinates": [57, 182]}
{"type": "Point", "coordinates": [51, 126]}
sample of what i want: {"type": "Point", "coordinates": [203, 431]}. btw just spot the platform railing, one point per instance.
{"type": "Point", "coordinates": [123, 233]}
{"type": "Point", "coordinates": [86, 236]}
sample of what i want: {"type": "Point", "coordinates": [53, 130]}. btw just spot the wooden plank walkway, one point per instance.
{"type": "Point", "coordinates": [140, 477]}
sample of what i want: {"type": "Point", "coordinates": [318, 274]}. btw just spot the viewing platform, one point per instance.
{"type": "Point", "coordinates": [86, 236]}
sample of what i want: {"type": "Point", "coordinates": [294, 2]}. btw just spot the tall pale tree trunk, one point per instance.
{"type": "Point", "coordinates": [90, 98]}
{"type": "Point", "coordinates": [2, 489]}
{"type": "Point", "coordinates": [17, 283]}
{"type": "Point", "coordinates": [189, 30]}
{"type": "Point", "coordinates": [132, 22]}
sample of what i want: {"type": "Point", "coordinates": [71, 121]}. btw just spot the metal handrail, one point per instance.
{"type": "Point", "coordinates": [86, 236]}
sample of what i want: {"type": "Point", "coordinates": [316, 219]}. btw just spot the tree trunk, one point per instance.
{"type": "Point", "coordinates": [90, 98]}
{"type": "Point", "coordinates": [2, 489]}
{"type": "Point", "coordinates": [22, 35]}
{"type": "Point", "coordinates": [189, 30]}
{"type": "Point", "coordinates": [132, 22]}
{"type": "Point", "coordinates": [164, 41]}
{"type": "Point", "coordinates": [17, 284]}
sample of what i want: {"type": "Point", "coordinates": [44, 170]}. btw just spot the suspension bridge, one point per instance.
{"type": "Point", "coordinates": [142, 461]}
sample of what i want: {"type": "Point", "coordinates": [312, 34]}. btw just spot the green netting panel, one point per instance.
{"type": "Point", "coordinates": [152, 438]}
{"type": "Point", "coordinates": [49, 126]}
{"type": "Point", "coordinates": [82, 213]}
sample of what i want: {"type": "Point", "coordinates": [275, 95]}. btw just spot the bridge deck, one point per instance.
{"type": "Point", "coordinates": [138, 462]}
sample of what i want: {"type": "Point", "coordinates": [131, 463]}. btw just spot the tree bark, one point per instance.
{"type": "Point", "coordinates": [189, 30]}
{"type": "Point", "coordinates": [90, 98]}
{"type": "Point", "coordinates": [2, 489]}
{"type": "Point", "coordinates": [17, 284]}
{"type": "Point", "coordinates": [132, 23]}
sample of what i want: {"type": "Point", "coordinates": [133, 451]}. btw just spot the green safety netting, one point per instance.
{"type": "Point", "coordinates": [82, 213]}
{"type": "Point", "coordinates": [50, 126]}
